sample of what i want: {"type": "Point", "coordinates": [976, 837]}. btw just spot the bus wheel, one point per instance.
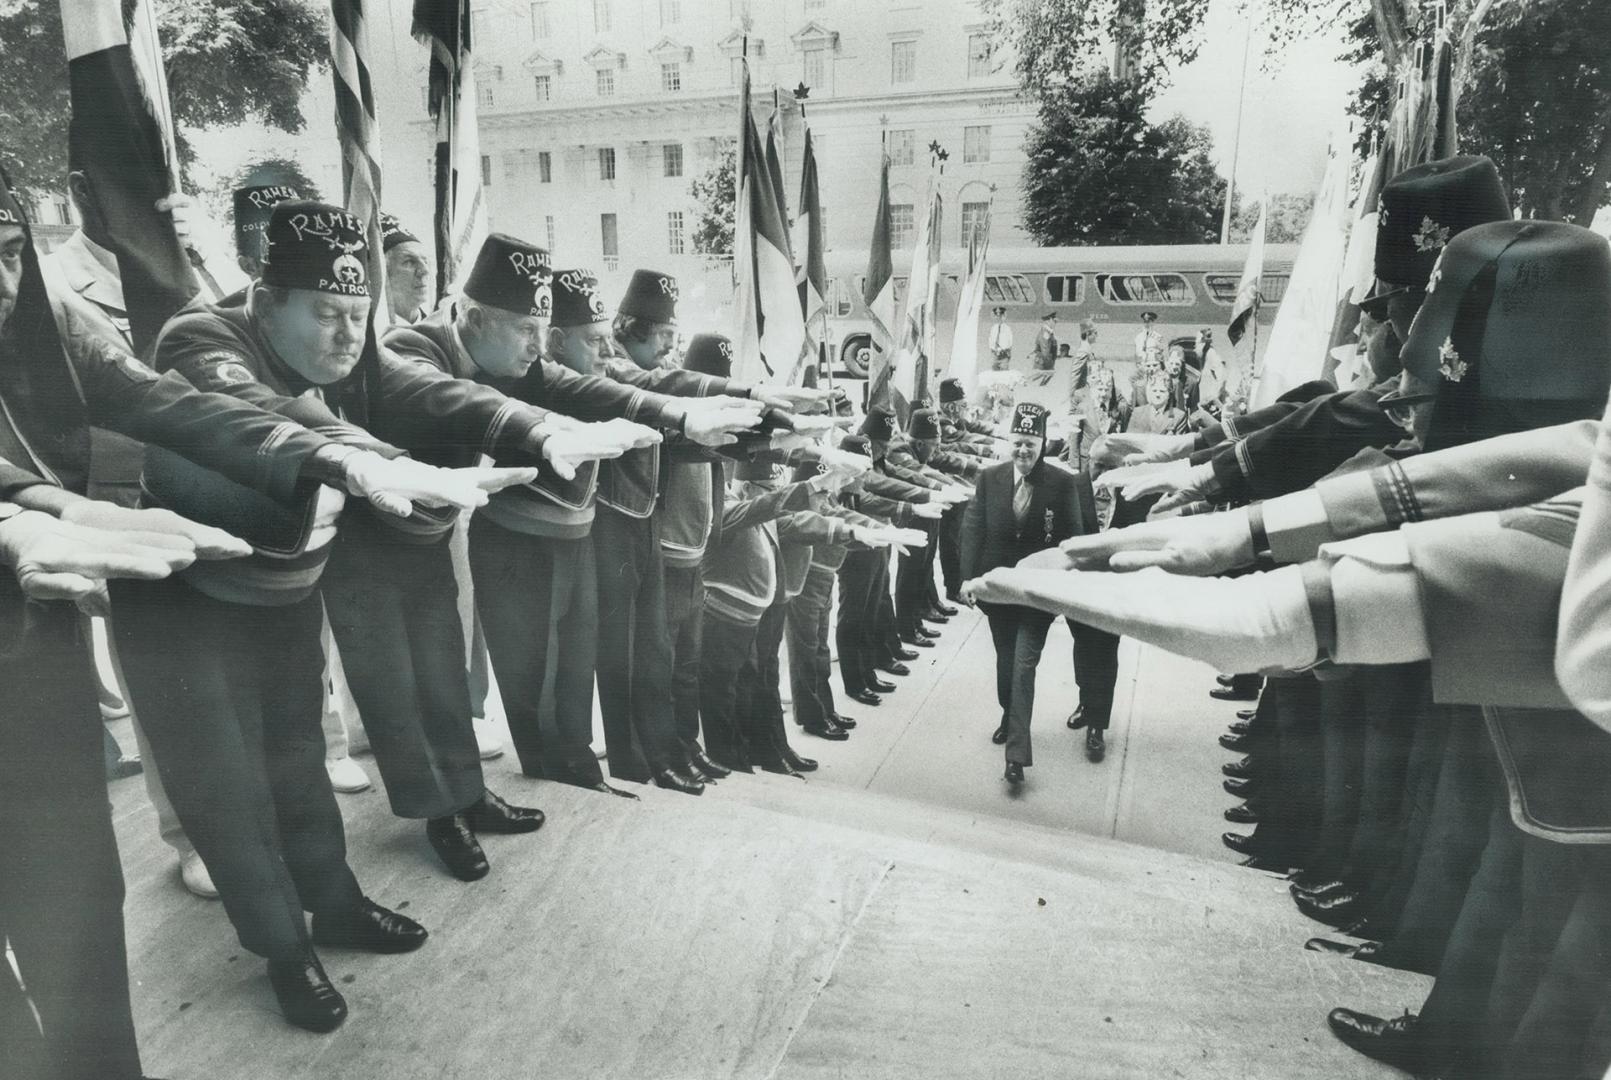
{"type": "Point", "coordinates": [850, 355]}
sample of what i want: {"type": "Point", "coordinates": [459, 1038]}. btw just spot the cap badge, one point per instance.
{"type": "Point", "coordinates": [1432, 237]}
{"type": "Point", "coordinates": [726, 349]}
{"type": "Point", "coordinates": [1453, 368]}
{"type": "Point", "coordinates": [347, 269]}
{"type": "Point", "coordinates": [668, 287]}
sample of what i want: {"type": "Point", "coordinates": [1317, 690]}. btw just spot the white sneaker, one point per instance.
{"type": "Point", "coordinates": [193, 872]}
{"type": "Point", "coordinates": [487, 738]}
{"type": "Point", "coordinates": [346, 775]}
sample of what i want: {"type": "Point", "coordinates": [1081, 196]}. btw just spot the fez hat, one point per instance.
{"type": "Point", "coordinates": [1517, 310]}
{"type": "Point", "coordinates": [808, 470]}
{"type": "Point", "coordinates": [879, 425]}
{"type": "Point", "coordinates": [709, 354]}
{"type": "Point", "coordinates": [925, 425]}
{"type": "Point", "coordinates": [512, 275]}
{"type": "Point", "coordinates": [1421, 209]}
{"type": "Point", "coordinates": [1028, 418]}
{"type": "Point", "coordinates": [651, 295]}
{"type": "Point", "coordinates": [10, 209]}
{"type": "Point", "coordinates": [951, 390]}
{"type": "Point", "coordinates": [755, 470]}
{"type": "Point", "coordinates": [251, 211]}
{"type": "Point", "coordinates": [392, 233]}
{"type": "Point", "coordinates": [856, 444]}
{"type": "Point", "coordinates": [318, 247]}
{"type": "Point", "coordinates": [576, 298]}
{"type": "Point", "coordinates": [841, 405]}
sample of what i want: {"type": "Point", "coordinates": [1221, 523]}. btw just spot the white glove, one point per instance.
{"type": "Point", "coordinates": [928, 511]}
{"type": "Point", "coordinates": [628, 434]}
{"type": "Point", "coordinates": [566, 451]}
{"type": "Point", "coordinates": [394, 485]}
{"type": "Point", "coordinates": [855, 464]}
{"type": "Point", "coordinates": [793, 398]}
{"type": "Point", "coordinates": [206, 541]}
{"type": "Point", "coordinates": [1199, 544]}
{"type": "Point", "coordinates": [189, 220]}
{"type": "Point", "coordinates": [718, 421]}
{"type": "Point", "coordinates": [61, 560]}
{"type": "Point", "coordinates": [1139, 449]}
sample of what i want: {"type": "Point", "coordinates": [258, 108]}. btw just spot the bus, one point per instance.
{"type": "Point", "coordinates": [1189, 286]}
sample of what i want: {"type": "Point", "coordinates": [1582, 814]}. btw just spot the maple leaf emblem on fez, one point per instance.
{"type": "Point", "coordinates": [1452, 367]}
{"type": "Point", "coordinates": [1432, 237]}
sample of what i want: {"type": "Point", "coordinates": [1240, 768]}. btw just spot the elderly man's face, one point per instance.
{"type": "Point", "coordinates": [505, 344]}
{"type": "Point", "coordinates": [1174, 362]}
{"type": "Point", "coordinates": [579, 347]}
{"type": "Point", "coordinates": [12, 242]}
{"type": "Point", "coordinates": [320, 335]}
{"type": "Point", "coordinates": [408, 279]}
{"type": "Point", "coordinates": [1026, 451]}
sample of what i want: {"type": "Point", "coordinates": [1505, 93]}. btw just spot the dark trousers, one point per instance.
{"type": "Point", "coordinates": [1019, 635]}
{"type": "Point", "coordinates": [685, 620]}
{"type": "Point", "coordinates": [61, 888]}
{"type": "Point", "coordinates": [634, 650]}
{"type": "Point", "coordinates": [538, 602]}
{"type": "Point", "coordinates": [394, 611]}
{"type": "Point", "coordinates": [950, 550]}
{"type": "Point", "coordinates": [1291, 818]}
{"type": "Point", "coordinates": [809, 663]}
{"type": "Point", "coordinates": [1096, 670]}
{"type": "Point", "coordinates": [856, 631]}
{"type": "Point", "coordinates": [230, 698]}
{"type": "Point", "coordinates": [727, 648]}
{"type": "Point", "coordinates": [759, 703]}
{"type": "Point", "coordinates": [914, 584]}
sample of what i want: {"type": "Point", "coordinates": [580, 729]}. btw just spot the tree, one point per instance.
{"type": "Point", "coordinates": [1054, 40]}
{"type": "Point", "coordinates": [228, 62]}
{"type": "Point", "coordinates": [1289, 216]}
{"type": "Point", "coordinates": [1100, 173]}
{"type": "Point", "coordinates": [714, 192]}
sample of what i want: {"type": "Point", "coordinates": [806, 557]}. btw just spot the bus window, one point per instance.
{"type": "Point", "coordinates": [900, 291]}
{"type": "Point", "coordinates": [1065, 288]}
{"type": "Point", "coordinates": [1144, 289]}
{"type": "Point", "coordinates": [842, 304]}
{"type": "Point", "coordinates": [1222, 287]}
{"type": "Point", "coordinates": [1009, 289]}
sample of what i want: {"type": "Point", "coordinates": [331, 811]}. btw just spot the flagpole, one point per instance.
{"type": "Point", "coordinates": [1236, 139]}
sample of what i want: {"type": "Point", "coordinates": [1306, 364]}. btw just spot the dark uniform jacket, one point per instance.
{"type": "Point", "coordinates": [1061, 505]}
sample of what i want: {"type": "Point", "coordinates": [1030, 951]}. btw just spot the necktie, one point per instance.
{"type": "Point", "coordinates": [1020, 500]}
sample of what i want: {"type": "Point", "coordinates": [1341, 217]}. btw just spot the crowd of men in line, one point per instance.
{"type": "Point", "coordinates": [1420, 569]}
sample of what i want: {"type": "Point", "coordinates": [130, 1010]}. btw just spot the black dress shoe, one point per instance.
{"type": "Point", "coordinates": [999, 736]}
{"type": "Point", "coordinates": [672, 780]}
{"type": "Point", "coordinates": [905, 654]}
{"type": "Point", "coordinates": [946, 609]}
{"type": "Point", "coordinates": [306, 995]}
{"type": "Point", "coordinates": [605, 789]}
{"type": "Point", "coordinates": [1076, 719]}
{"type": "Point", "coordinates": [492, 814]}
{"type": "Point", "coordinates": [1096, 747]}
{"type": "Point", "coordinates": [827, 730]}
{"type": "Point", "coordinates": [369, 927]}
{"type": "Point", "coordinates": [1240, 727]}
{"type": "Point", "coordinates": [1225, 680]}
{"type": "Point", "coordinates": [1246, 714]}
{"type": "Point", "coordinates": [895, 667]}
{"type": "Point", "coordinates": [1014, 774]}
{"type": "Point", "coordinates": [779, 766]}
{"type": "Point", "coordinates": [1242, 768]}
{"type": "Point", "coordinates": [1239, 787]}
{"type": "Point", "coordinates": [845, 722]}
{"type": "Point", "coordinates": [1236, 744]}
{"type": "Point", "coordinates": [1241, 843]}
{"type": "Point", "coordinates": [1394, 1042]}
{"type": "Point", "coordinates": [1365, 950]}
{"type": "Point", "coordinates": [706, 765]}
{"type": "Point", "coordinates": [696, 774]}
{"type": "Point", "coordinates": [865, 697]}
{"type": "Point", "coordinates": [1232, 693]}
{"type": "Point", "coordinates": [457, 847]}
{"type": "Point", "coordinates": [1243, 814]}
{"type": "Point", "coordinates": [796, 762]}
{"type": "Point", "coordinates": [922, 641]}
{"type": "Point", "coordinates": [1338, 909]}
{"type": "Point", "coordinates": [1320, 889]}
{"type": "Point", "coordinates": [880, 686]}
{"type": "Point", "coordinates": [1259, 862]}
{"type": "Point", "coordinates": [936, 617]}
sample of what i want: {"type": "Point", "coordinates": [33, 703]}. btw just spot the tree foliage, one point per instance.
{"type": "Point", "coordinates": [1289, 216]}
{"type": "Point", "coordinates": [1099, 173]}
{"type": "Point", "coordinates": [714, 194]}
{"type": "Point", "coordinates": [228, 62]}
{"type": "Point", "coordinates": [1053, 41]}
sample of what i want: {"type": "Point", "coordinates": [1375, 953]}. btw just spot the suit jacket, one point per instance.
{"type": "Point", "coordinates": [1304, 446]}
{"type": "Point", "coordinates": [1061, 505]}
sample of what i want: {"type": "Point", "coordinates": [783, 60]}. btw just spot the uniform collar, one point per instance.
{"type": "Point", "coordinates": [91, 270]}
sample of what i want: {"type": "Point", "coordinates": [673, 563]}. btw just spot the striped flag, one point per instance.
{"type": "Point", "coordinates": [771, 332]}
{"type": "Point", "coordinates": [359, 133]}
{"type": "Point", "coordinates": [878, 293]}
{"type": "Point", "coordinates": [461, 208]}
{"type": "Point", "coordinates": [909, 379]}
{"type": "Point", "coordinates": [964, 363]}
{"type": "Point", "coordinates": [118, 140]}
{"type": "Point", "coordinates": [1245, 308]}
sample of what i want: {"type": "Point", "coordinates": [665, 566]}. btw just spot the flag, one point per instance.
{"type": "Point", "coordinates": [1245, 308]}
{"type": "Point", "coordinates": [914, 354]}
{"type": "Point", "coordinates": [808, 242]}
{"type": "Point", "coordinates": [878, 293]}
{"type": "Point", "coordinates": [460, 220]}
{"type": "Point", "coordinates": [784, 341]}
{"type": "Point", "coordinates": [358, 132]}
{"type": "Point", "coordinates": [964, 363]}
{"type": "Point", "coordinates": [116, 138]}
{"type": "Point", "coordinates": [770, 332]}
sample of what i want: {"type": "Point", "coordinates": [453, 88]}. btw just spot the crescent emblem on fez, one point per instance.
{"type": "Point", "coordinates": [594, 304]}
{"type": "Point", "coordinates": [542, 301]}
{"type": "Point", "coordinates": [348, 270]}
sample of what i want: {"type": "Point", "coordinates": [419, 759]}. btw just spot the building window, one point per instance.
{"type": "Point", "coordinates": [671, 158]}
{"type": "Point", "coordinates": [486, 170]}
{"type": "Point", "coordinates": [735, 71]}
{"type": "Point", "coordinates": [545, 87]}
{"type": "Point", "coordinates": [902, 146]}
{"type": "Point", "coordinates": [479, 18]}
{"type": "Point", "coordinates": [606, 82]}
{"type": "Point", "coordinates": [548, 230]}
{"type": "Point", "coordinates": [816, 67]}
{"type": "Point", "coordinates": [815, 5]}
{"type": "Point", "coordinates": [483, 95]}
{"type": "Point", "coordinates": [671, 77]}
{"type": "Point", "coordinates": [601, 16]}
{"type": "Point", "coordinates": [674, 239]}
{"type": "Point", "coordinates": [670, 12]}
{"type": "Point", "coordinates": [973, 221]}
{"type": "Point", "coordinates": [606, 163]}
{"type": "Point", "coordinates": [976, 143]}
{"type": "Point", "coordinates": [540, 26]}
{"type": "Point", "coordinates": [610, 236]}
{"type": "Point", "coordinates": [902, 61]}
{"type": "Point", "coordinates": [545, 167]}
{"type": "Point", "coordinates": [901, 228]}
{"type": "Point", "coordinates": [978, 56]}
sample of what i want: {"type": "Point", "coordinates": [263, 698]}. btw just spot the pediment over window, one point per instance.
{"type": "Point", "coordinates": [602, 58]}
{"type": "Point", "coordinates": [813, 35]}
{"type": "Point", "coordinates": [666, 51]}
